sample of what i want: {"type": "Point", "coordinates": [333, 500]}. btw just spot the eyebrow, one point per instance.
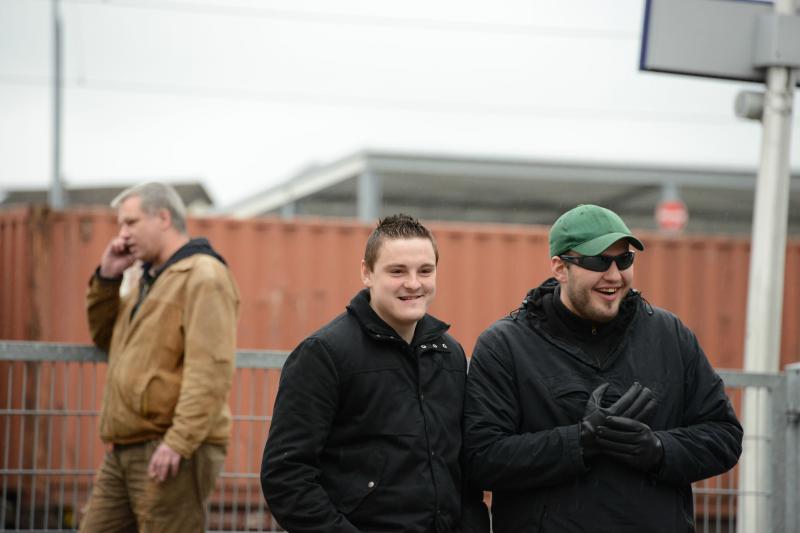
{"type": "Point", "coordinates": [403, 265]}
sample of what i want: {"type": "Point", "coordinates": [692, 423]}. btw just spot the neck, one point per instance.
{"type": "Point", "coordinates": [172, 244]}
{"type": "Point", "coordinates": [408, 334]}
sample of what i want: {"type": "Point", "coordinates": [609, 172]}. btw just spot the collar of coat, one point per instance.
{"type": "Point", "coordinates": [198, 245]}
{"type": "Point", "coordinates": [428, 329]}
{"type": "Point", "coordinates": [547, 294]}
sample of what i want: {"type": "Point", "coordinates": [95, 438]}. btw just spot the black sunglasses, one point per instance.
{"type": "Point", "coordinates": [600, 263]}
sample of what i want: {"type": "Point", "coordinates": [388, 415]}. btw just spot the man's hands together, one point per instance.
{"type": "Point", "coordinates": [630, 442]}
{"type": "Point", "coordinates": [636, 405]}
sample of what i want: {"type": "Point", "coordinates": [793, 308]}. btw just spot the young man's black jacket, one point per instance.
{"type": "Point", "coordinates": [366, 431]}
{"type": "Point", "coordinates": [526, 394]}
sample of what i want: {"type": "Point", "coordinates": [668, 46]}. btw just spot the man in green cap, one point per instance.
{"type": "Point", "coordinates": [588, 409]}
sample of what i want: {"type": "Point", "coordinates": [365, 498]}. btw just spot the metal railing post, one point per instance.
{"type": "Point", "coordinates": [792, 465]}
{"type": "Point", "coordinates": [775, 519]}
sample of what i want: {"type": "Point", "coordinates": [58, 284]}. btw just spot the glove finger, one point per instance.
{"type": "Point", "coordinates": [639, 404]}
{"type": "Point", "coordinates": [625, 424]}
{"type": "Point", "coordinates": [647, 412]}
{"type": "Point", "coordinates": [597, 394]}
{"type": "Point", "coordinates": [621, 438]}
{"type": "Point", "coordinates": [627, 399]}
{"type": "Point", "coordinates": [609, 445]}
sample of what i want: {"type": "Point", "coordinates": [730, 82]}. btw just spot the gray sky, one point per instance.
{"type": "Point", "coordinates": [241, 94]}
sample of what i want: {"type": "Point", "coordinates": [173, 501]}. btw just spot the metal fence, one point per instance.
{"type": "Point", "coordinates": [49, 405]}
{"type": "Point", "coordinates": [50, 397]}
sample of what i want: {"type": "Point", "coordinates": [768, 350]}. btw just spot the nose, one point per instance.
{"type": "Point", "coordinates": [613, 272]}
{"type": "Point", "coordinates": [412, 282]}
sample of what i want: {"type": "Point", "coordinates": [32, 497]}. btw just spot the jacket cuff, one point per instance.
{"type": "Point", "coordinates": [664, 472]}
{"type": "Point", "coordinates": [184, 448]}
{"type": "Point", "coordinates": [571, 437]}
{"type": "Point", "coordinates": [102, 279]}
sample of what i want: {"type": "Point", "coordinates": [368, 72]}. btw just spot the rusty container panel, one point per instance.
{"type": "Point", "coordinates": [16, 307]}
{"type": "Point", "coordinates": [484, 273]}
{"type": "Point", "coordinates": [295, 276]}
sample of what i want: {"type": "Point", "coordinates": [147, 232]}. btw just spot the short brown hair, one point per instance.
{"type": "Point", "coordinates": [398, 226]}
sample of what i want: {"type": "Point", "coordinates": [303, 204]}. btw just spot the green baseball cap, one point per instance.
{"type": "Point", "coordinates": [589, 229]}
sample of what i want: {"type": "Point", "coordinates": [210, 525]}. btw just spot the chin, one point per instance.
{"type": "Point", "coordinates": [411, 317]}
{"type": "Point", "coordinates": [607, 316]}
{"type": "Point", "coordinates": [415, 316]}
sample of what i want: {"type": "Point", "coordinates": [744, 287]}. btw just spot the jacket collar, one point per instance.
{"type": "Point", "coordinates": [543, 303]}
{"type": "Point", "coordinates": [196, 246]}
{"type": "Point", "coordinates": [429, 328]}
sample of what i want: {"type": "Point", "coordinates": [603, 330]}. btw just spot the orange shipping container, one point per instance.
{"type": "Point", "coordinates": [296, 275]}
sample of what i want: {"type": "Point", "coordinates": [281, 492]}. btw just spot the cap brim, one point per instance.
{"type": "Point", "coordinates": [600, 244]}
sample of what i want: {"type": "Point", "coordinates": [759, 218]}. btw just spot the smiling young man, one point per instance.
{"type": "Point", "coordinates": [588, 409]}
{"type": "Point", "coordinates": [366, 429]}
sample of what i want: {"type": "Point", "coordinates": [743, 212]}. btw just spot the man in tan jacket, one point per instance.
{"type": "Point", "coordinates": [171, 342]}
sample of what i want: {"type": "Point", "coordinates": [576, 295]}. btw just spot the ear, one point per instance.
{"type": "Point", "coordinates": [559, 269]}
{"type": "Point", "coordinates": [165, 218]}
{"type": "Point", "coordinates": [366, 274]}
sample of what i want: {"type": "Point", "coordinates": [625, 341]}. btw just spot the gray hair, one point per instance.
{"type": "Point", "coordinates": [155, 196]}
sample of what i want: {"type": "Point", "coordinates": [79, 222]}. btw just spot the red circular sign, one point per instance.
{"type": "Point", "coordinates": [672, 215]}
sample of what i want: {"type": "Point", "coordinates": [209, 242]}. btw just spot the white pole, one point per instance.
{"type": "Point", "coordinates": [765, 293]}
{"type": "Point", "coordinates": [56, 196]}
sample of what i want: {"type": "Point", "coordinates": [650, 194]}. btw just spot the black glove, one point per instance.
{"type": "Point", "coordinates": [630, 442]}
{"type": "Point", "coordinates": [638, 403]}
{"type": "Point", "coordinates": [641, 409]}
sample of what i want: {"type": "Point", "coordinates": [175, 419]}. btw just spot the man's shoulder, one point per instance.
{"type": "Point", "coordinates": [446, 337]}
{"type": "Point", "coordinates": [340, 342]}
{"type": "Point", "coordinates": [203, 270]}
{"type": "Point", "coordinates": [339, 332]}
{"type": "Point", "coordinates": [201, 263]}
{"type": "Point", "coordinates": [653, 322]}
{"type": "Point", "coordinates": [510, 325]}
{"type": "Point", "coordinates": [658, 316]}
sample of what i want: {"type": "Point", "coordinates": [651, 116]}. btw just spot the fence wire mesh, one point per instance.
{"type": "Point", "coordinates": [50, 402]}
{"type": "Point", "coordinates": [51, 448]}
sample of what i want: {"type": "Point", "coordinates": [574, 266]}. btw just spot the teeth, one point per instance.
{"type": "Point", "coordinates": [607, 291]}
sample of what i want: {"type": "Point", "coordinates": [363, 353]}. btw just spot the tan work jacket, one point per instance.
{"type": "Point", "coordinates": [170, 367]}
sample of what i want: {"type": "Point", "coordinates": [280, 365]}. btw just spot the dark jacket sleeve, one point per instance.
{"type": "Point", "coordinates": [304, 410]}
{"type": "Point", "coordinates": [474, 514]}
{"type": "Point", "coordinates": [498, 456]}
{"type": "Point", "coordinates": [709, 440]}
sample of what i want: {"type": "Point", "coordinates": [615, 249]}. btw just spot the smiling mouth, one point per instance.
{"type": "Point", "coordinates": [410, 298]}
{"type": "Point", "coordinates": [608, 291]}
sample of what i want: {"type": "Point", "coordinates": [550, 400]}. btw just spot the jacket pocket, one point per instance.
{"type": "Point", "coordinates": [571, 396]}
{"type": "Point", "coordinates": [359, 475]}
{"type": "Point", "coordinates": [158, 397]}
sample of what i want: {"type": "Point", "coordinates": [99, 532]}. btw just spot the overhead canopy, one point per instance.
{"type": "Point", "coordinates": [530, 191]}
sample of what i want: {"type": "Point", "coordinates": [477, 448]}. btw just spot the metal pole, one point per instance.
{"type": "Point", "coordinates": [765, 290]}
{"type": "Point", "coordinates": [56, 197]}
{"type": "Point", "coordinates": [792, 448]}
{"type": "Point", "coordinates": [370, 195]}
